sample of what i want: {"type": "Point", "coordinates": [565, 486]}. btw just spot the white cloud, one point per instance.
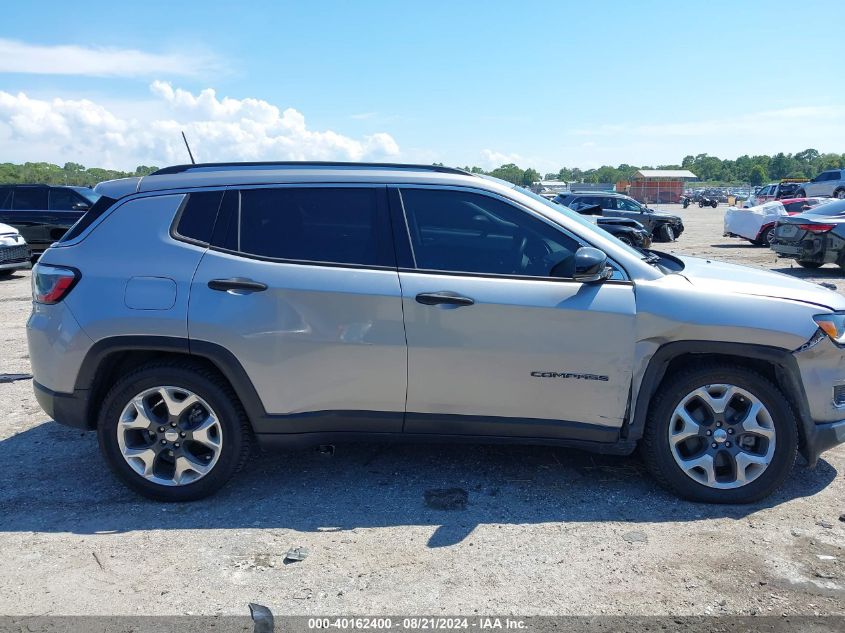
{"type": "Point", "coordinates": [491, 158]}
{"type": "Point", "coordinates": [219, 129]}
{"type": "Point", "coordinates": [69, 59]}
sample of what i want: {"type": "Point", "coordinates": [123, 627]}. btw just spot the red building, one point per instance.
{"type": "Point", "coordinates": [659, 185]}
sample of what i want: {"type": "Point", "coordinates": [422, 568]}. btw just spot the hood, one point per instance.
{"type": "Point", "coordinates": [721, 277]}
{"type": "Point", "coordinates": [663, 214]}
{"type": "Point", "coordinates": [5, 229]}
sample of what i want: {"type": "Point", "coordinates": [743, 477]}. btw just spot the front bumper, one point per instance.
{"type": "Point", "coordinates": [15, 257]}
{"type": "Point", "coordinates": [823, 437]}
{"type": "Point", "coordinates": [70, 409]}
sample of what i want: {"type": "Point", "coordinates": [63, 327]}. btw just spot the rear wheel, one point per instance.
{"type": "Point", "coordinates": [800, 193]}
{"type": "Point", "coordinates": [720, 434]}
{"type": "Point", "coordinates": [806, 264]}
{"type": "Point", "coordinates": [839, 193]}
{"type": "Point", "coordinates": [173, 432]}
{"type": "Point", "coordinates": [715, 203]}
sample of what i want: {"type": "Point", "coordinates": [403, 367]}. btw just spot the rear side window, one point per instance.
{"type": "Point", "coordinates": [335, 225]}
{"type": "Point", "coordinates": [30, 199]}
{"type": "Point", "coordinates": [100, 207]}
{"type": "Point", "coordinates": [197, 216]}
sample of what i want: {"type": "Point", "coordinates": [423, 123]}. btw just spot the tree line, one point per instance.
{"type": "Point", "coordinates": [71, 174]}
{"type": "Point", "coordinates": [754, 170]}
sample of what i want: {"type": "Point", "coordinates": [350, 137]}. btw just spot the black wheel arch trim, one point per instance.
{"type": "Point", "coordinates": [783, 362]}
{"type": "Point", "coordinates": [220, 357]}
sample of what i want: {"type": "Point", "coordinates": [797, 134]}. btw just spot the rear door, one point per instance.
{"type": "Point", "coordinates": [496, 346]}
{"type": "Point", "coordinates": [28, 213]}
{"type": "Point", "coordinates": [301, 286]}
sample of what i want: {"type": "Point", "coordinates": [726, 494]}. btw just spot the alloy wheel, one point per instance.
{"type": "Point", "coordinates": [722, 436]}
{"type": "Point", "coordinates": [169, 435]}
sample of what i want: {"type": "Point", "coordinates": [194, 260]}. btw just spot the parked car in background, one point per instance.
{"type": "Point", "coordinates": [786, 188]}
{"type": "Point", "coordinates": [813, 238]}
{"type": "Point", "coordinates": [625, 230]}
{"type": "Point", "coordinates": [251, 296]}
{"type": "Point", "coordinates": [14, 251]}
{"type": "Point", "coordinates": [828, 183]}
{"type": "Point", "coordinates": [663, 227]}
{"type": "Point", "coordinates": [43, 213]}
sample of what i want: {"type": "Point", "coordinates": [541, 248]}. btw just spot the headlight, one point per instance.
{"type": "Point", "coordinates": [833, 325]}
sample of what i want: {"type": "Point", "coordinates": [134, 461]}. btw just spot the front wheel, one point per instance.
{"type": "Point", "coordinates": [805, 264]}
{"type": "Point", "coordinates": [720, 434]}
{"type": "Point", "coordinates": [701, 205]}
{"type": "Point", "coordinates": [666, 233]}
{"type": "Point", "coordinates": [800, 194]}
{"type": "Point", "coordinates": [715, 203]}
{"type": "Point", "coordinates": [173, 431]}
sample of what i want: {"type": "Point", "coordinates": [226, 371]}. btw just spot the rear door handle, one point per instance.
{"type": "Point", "coordinates": [237, 283]}
{"type": "Point", "coordinates": [443, 298]}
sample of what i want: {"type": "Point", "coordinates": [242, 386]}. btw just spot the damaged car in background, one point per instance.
{"type": "Point", "coordinates": [663, 227]}
{"type": "Point", "coordinates": [813, 238]}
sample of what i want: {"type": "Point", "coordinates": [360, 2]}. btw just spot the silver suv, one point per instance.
{"type": "Point", "coordinates": [203, 309]}
{"type": "Point", "coordinates": [828, 183]}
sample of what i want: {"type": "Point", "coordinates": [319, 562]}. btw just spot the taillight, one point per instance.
{"type": "Point", "coordinates": [51, 284]}
{"type": "Point", "coordinates": [817, 228]}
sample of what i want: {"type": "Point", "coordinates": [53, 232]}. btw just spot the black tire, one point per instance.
{"type": "Point", "coordinates": [715, 203]}
{"type": "Point", "coordinates": [665, 233]}
{"type": "Point", "coordinates": [839, 193]}
{"type": "Point", "coordinates": [800, 193]}
{"type": "Point", "coordinates": [236, 431]}
{"type": "Point", "coordinates": [625, 239]}
{"type": "Point", "coordinates": [657, 454]}
{"type": "Point", "coordinates": [806, 264]}
{"type": "Point", "coordinates": [701, 204]}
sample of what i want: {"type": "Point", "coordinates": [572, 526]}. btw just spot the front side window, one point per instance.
{"type": "Point", "coordinates": [65, 200]}
{"type": "Point", "coordinates": [30, 199]}
{"type": "Point", "coordinates": [627, 205]}
{"type": "Point", "coordinates": [335, 225]}
{"type": "Point", "coordinates": [461, 231]}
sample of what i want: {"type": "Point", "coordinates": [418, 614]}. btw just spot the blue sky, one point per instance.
{"type": "Point", "coordinates": [545, 84]}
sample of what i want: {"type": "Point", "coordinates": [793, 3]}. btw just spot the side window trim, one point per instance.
{"type": "Point", "coordinates": [522, 209]}
{"type": "Point", "coordinates": [220, 233]}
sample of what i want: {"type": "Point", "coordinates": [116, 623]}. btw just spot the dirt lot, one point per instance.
{"type": "Point", "coordinates": [545, 531]}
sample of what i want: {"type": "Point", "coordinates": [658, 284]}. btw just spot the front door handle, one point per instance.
{"type": "Point", "coordinates": [443, 298]}
{"type": "Point", "coordinates": [237, 283]}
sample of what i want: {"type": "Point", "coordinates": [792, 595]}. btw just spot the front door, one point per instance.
{"type": "Point", "coordinates": [496, 346]}
{"type": "Point", "coordinates": [300, 285]}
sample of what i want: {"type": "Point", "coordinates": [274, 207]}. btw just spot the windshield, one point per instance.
{"type": "Point", "coordinates": [87, 193]}
{"type": "Point", "coordinates": [828, 208]}
{"type": "Point", "coordinates": [569, 213]}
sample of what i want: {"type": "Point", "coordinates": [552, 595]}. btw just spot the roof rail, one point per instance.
{"type": "Point", "coordinates": [179, 169]}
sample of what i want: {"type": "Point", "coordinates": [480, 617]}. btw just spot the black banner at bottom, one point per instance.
{"type": "Point", "coordinates": [263, 621]}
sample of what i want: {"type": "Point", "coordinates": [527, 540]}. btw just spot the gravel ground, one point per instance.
{"type": "Point", "coordinates": [544, 531]}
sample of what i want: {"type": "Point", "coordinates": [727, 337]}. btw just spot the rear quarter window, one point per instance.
{"type": "Point", "coordinates": [195, 220]}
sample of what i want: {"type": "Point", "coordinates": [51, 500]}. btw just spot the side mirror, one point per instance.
{"type": "Point", "coordinates": [590, 265]}
{"type": "Point", "coordinates": [81, 206]}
